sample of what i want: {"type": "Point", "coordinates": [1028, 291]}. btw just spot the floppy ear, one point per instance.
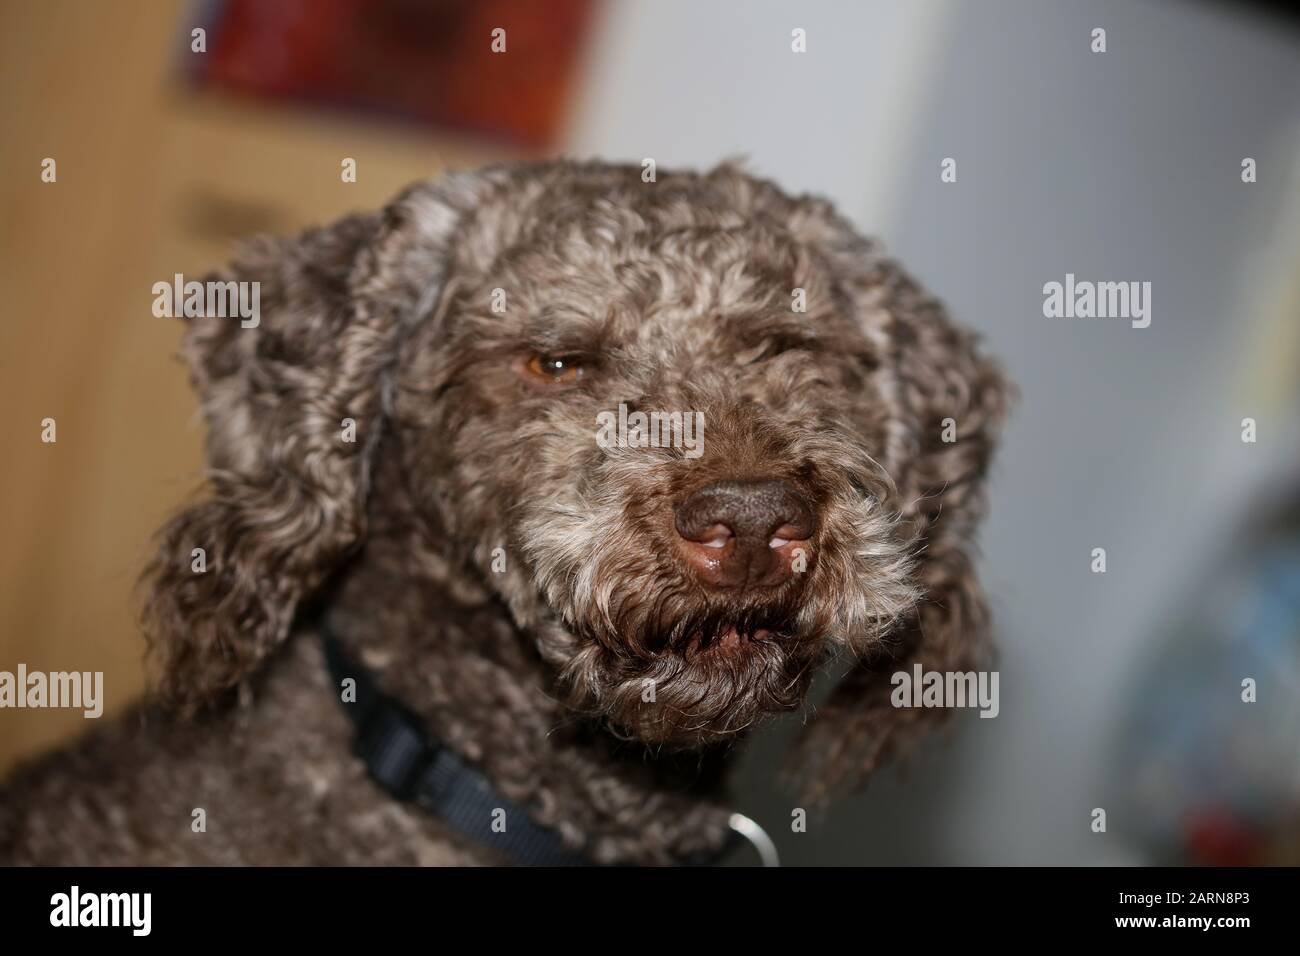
{"type": "Point", "coordinates": [287, 472]}
{"type": "Point", "coordinates": [949, 401]}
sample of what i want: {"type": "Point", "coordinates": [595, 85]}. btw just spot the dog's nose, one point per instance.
{"type": "Point", "coordinates": [745, 533]}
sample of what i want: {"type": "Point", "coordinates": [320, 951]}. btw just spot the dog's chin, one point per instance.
{"type": "Point", "coordinates": [704, 690]}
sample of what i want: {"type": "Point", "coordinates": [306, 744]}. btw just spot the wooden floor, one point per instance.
{"type": "Point", "coordinates": [152, 180]}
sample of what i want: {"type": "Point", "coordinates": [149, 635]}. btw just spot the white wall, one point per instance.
{"type": "Point", "coordinates": [691, 84]}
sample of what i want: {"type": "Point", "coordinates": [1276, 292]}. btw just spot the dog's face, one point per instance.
{"type": "Point", "coordinates": [695, 434]}
{"type": "Point", "coordinates": [685, 583]}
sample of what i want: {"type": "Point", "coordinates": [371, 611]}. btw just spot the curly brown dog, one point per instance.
{"type": "Point", "coordinates": [414, 453]}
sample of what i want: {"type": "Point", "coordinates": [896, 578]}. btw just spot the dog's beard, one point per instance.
{"type": "Point", "coordinates": [681, 675]}
{"type": "Point", "coordinates": [711, 688]}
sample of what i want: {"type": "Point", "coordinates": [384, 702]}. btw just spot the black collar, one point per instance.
{"type": "Point", "coordinates": [403, 760]}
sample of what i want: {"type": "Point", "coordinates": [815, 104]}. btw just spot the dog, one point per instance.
{"type": "Point", "coordinates": [414, 496]}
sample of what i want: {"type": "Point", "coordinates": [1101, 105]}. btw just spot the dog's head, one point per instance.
{"type": "Point", "coordinates": [695, 434]}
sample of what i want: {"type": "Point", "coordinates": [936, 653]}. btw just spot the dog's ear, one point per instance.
{"type": "Point", "coordinates": [949, 401]}
{"type": "Point", "coordinates": [294, 399]}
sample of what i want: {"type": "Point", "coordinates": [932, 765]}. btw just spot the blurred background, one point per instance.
{"type": "Point", "coordinates": [1120, 690]}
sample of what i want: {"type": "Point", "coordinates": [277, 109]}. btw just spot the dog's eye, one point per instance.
{"type": "Point", "coordinates": [553, 369]}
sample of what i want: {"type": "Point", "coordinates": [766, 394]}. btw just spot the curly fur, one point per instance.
{"type": "Point", "coordinates": [678, 295]}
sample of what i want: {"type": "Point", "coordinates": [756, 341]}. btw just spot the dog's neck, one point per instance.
{"type": "Point", "coordinates": [439, 642]}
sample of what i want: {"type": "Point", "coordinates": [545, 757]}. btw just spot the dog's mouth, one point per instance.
{"type": "Point", "coordinates": [730, 639]}
{"type": "Point", "coordinates": [716, 683]}
{"type": "Point", "coordinates": [712, 631]}
{"type": "Point", "coordinates": [687, 674]}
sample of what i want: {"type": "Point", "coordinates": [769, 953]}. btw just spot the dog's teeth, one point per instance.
{"type": "Point", "coordinates": [778, 542]}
